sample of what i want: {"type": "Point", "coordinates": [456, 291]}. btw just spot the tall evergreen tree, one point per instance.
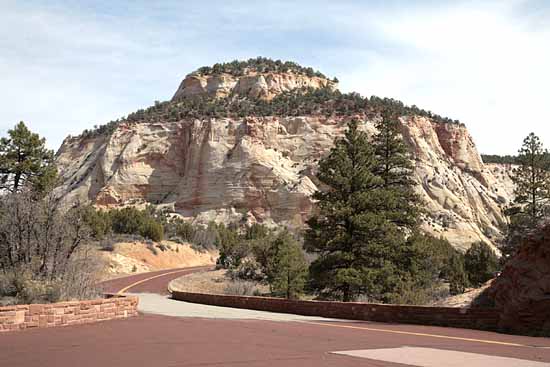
{"type": "Point", "coordinates": [25, 161]}
{"type": "Point", "coordinates": [532, 192]}
{"type": "Point", "coordinates": [395, 168]}
{"type": "Point", "coordinates": [356, 234]}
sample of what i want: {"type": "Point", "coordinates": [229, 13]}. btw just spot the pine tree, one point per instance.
{"type": "Point", "coordinates": [25, 162]}
{"type": "Point", "coordinates": [480, 263]}
{"type": "Point", "coordinates": [395, 168]}
{"type": "Point", "coordinates": [287, 268]}
{"type": "Point", "coordinates": [532, 192]}
{"type": "Point", "coordinates": [456, 274]}
{"type": "Point", "coordinates": [356, 237]}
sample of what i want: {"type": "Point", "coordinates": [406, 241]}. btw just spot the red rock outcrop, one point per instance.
{"type": "Point", "coordinates": [522, 291]}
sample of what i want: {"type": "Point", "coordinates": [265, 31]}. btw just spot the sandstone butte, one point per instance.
{"type": "Point", "coordinates": [262, 169]}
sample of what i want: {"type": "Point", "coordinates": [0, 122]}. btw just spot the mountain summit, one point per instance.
{"type": "Point", "coordinates": [255, 78]}
{"type": "Point", "coordinates": [239, 142]}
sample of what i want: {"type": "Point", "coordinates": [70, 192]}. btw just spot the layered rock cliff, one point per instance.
{"type": "Point", "coordinates": [262, 168]}
{"type": "Point", "coordinates": [254, 84]}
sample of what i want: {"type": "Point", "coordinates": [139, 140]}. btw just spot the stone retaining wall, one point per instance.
{"type": "Point", "coordinates": [485, 319]}
{"type": "Point", "coordinates": [67, 313]}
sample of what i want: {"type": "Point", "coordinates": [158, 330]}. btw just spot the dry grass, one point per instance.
{"type": "Point", "coordinates": [215, 282]}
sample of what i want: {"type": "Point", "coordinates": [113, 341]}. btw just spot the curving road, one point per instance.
{"type": "Point", "coordinates": [154, 340]}
{"type": "Point", "coordinates": [152, 282]}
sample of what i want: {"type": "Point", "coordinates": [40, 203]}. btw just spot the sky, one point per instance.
{"type": "Point", "coordinates": [68, 65]}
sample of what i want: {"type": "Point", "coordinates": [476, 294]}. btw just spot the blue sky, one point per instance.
{"type": "Point", "coordinates": [67, 65]}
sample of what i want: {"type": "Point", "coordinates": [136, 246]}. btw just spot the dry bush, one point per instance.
{"type": "Point", "coordinates": [82, 276]}
{"type": "Point", "coordinates": [45, 250]}
{"type": "Point", "coordinates": [242, 288]}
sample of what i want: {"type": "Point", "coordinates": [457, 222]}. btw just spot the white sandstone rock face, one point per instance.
{"type": "Point", "coordinates": [254, 85]}
{"type": "Point", "coordinates": [262, 169]}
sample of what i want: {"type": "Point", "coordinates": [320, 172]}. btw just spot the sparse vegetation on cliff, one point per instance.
{"type": "Point", "coordinates": [303, 102]}
{"type": "Point", "coordinates": [500, 159]}
{"type": "Point", "coordinates": [259, 65]}
{"type": "Point", "coordinates": [298, 102]}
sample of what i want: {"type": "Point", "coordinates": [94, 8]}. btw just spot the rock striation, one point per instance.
{"type": "Point", "coordinates": [253, 85]}
{"type": "Point", "coordinates": [262, 168]}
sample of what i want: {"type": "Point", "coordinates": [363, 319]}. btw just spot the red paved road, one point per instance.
{"type": "Point", "coordinates": [166, 341]}
{"type": "Point", "coordinates": [159, 283]}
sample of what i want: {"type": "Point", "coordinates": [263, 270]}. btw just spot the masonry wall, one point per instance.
{"type": "Point", "coordinates": [66, 313]}
{"type": "Point", "coordinates": [485, 319]}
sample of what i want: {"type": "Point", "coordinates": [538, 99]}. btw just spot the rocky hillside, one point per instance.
{"type": "Point", "coordinates": [243, 147]}
{"type": "Point", "coordinates": [253, 85]}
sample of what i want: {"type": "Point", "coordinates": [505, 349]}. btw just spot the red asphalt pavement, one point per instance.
{"type": "Point", "coordinates": [150, 340]}
{"type": "Point", "coordinates": [158, 285]}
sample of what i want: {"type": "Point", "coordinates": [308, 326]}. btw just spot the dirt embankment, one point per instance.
{"type": "Point", "coordinates": [138, 257]}
{"type": "Point", "coordinates": [462, 300]}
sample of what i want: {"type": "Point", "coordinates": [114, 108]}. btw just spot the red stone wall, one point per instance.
{"type": "Point", "coordinates": [66, 313]}
{"type": "Point", "coordinates": [485, 319]}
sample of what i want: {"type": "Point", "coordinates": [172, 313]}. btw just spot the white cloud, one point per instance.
{"type": "Point", "coordinates": [484, 65]}
{"type": "Point", "coordinates": [65, 67]}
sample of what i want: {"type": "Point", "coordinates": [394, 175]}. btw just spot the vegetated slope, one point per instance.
{"type": "Point", "coordinates": [242, 146]}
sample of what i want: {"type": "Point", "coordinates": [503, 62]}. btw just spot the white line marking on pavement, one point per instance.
{"type": "Point", "coordinates": [429, 357]}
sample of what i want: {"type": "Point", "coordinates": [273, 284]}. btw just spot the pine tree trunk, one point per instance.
{"type": "Point", "coordinates": [347, 293]}
{"type": "Point", "coordinates": [16, 181]}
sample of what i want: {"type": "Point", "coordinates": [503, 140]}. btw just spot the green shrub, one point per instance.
{"type": "Point", "coordinates": [146, 223]}
{"type": "Point", "coordinates": [258, 64]}
{"type": "Point", "coordinates": [100, 222]}
{"type": "Point", "coordinates": [432, 261]}
{"type": "Point", "coordinates": [456, 274]}
{"type": "Point", "coordinates": [256, 231]}
{"type": "Point", "coordinates": [287, 268]}
{"type": "Point", "coordinates": [152, 229]}
{"type": "Point", "coordinates": [248, 269]}
{"type": "Point", "coordinates": [481, 263]}
{"type": "Point", "coordinates": [178, 228]}
{"type": "Point", "coordinates": [152, 248]}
